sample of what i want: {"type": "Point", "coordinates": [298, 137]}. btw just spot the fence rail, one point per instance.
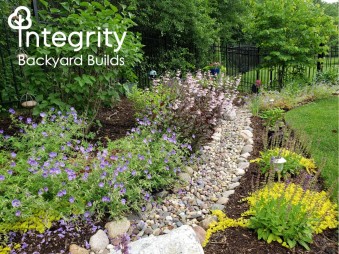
{"type": "Point", "coordinates": [247, 61]}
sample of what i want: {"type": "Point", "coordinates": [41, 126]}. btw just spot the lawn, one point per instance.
{"type": "Point", "coordinates": [318, 122]}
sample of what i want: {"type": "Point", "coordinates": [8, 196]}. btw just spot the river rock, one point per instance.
{"type": "Point", "coordinates": [75, 249]}
{"type": "Point", "coordinates": [116, 228]}
{"type": "Point", "coordinates": [99, 241]}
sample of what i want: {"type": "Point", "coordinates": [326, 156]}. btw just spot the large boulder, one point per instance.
{"type": "Point", "coordinates": [182, 240]}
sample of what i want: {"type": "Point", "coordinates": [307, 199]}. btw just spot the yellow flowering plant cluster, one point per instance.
{"type": "Point", "coordinates": [288, 214]}
{"type": "Point", "coordinates": [223, 223]}
{"type": "Point", "coordinates": [294, 162]}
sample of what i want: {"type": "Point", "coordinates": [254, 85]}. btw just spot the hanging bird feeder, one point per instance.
{"type": "Point", "coordinates": [28, 101]}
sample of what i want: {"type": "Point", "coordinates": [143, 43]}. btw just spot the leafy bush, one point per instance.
{"type": "Point", "coordinates": [86, 87]}
{"type": "Point", "coordinates": [62, 175]}
{"type": "Point", "coordinates": [288, 214]}
{"type": "Point", "coordinates": [273, 115]}
{"type": "Point", "coordinates": [294, 162]}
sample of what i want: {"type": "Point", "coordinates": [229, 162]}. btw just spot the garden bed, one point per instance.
{"type": "Point", "coordinates": [242, 240]}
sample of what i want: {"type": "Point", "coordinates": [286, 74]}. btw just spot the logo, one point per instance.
{"type": "Point", "coordinates": [21, 20]}
{"type": "Point", "coordinates": [16, 21]}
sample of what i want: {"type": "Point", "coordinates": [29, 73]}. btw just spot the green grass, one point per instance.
{"type": "Point", "coordinates": [318, 123]}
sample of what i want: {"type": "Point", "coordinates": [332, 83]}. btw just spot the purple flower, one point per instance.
{"type": "Point", "coordinates": [89, 204]}
{"type": "Point", "coordinates": [1, 131]}
{"type": "Point", "coordinates": [134, 173]}
{"type": "Point", "coordinates": [13, 164]}
{"type": "Point", "coordinates": [18, 213]}
{"type": "Point", "coordinates": [87, 245]}
{"type": "Point", "coordinates": [10, 172]}
{"type": "Point", "coordinates": [105, 199]}
{"type": "Point", "coordinates": [123, 201]}
{"type": "Point", "coordinates": [42, 114]}
{"type": "Point", "coordinates": [141, 157]}
{"type": "Point", "coordinates": [13, 154]}
{"type": "Point", "coordinates": [34, 125]}
{"type": "Point", "coordinates": [16, 203]}
{"type": "Point", "coordinates": [61, 193]}
{"type": "Point", "coordinates": [101, 184]}
{"type": "Point", "coordinates": [71, 199]}
{"type": "Point", "coordinates": [29, 120]}
{"type": "Point", "coordinates": [53, 154]}
{"type": "Point", "coordinates": [86, 214]}
{"type": "Point", "coordinates": [11, 111]}
{"type": "Point", "coordinates": [44, 134]}
{"type": "Point", "coordinates": [45, 189]}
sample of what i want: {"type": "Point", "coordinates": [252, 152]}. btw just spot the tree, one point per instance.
{"type": "Point", "coordinates": [177, 34]}
{"type": "Point", "coordinates": [230, 15]}
{"type": "Point", "coordinates": [289, 32]}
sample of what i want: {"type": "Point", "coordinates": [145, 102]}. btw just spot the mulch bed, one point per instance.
{"type": "Point", "coordinates": [240, 240]}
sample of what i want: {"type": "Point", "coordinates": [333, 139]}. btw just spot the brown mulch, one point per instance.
{"type": "Point", "coordinates": [115, 122]}
{"type": "Point", "coordinates": [241, 240]}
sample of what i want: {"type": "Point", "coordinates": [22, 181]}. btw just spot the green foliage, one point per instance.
{"type": "Point", "coordinates": [290, 215]}
{"type": "Point", "coordinates": [178, 33]}
{"type": "Point", "coordinates": [294, 162]}
{"type": "Point", "coordinates": [273, 115]}
{"type": "Point", "coordinates": [53, 174]}
{"type": "Point", "coordinates": [289, 32]}
{"type": "Point", "coordinates": [330, 76]}
{"type": "Point", "coordinates": [85, 87]}
{"type": "Point", "coordinates": [230, 19]}
{"type": "Point", "coordinates": [155, 99]}
{"type": "Point", "coordinates": [292, 95]}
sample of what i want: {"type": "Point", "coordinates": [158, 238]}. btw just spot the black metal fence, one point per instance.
{"type": "Point", "coordinates": [10, 72]}
{"type": "Point", "coordinates": [246, 60]}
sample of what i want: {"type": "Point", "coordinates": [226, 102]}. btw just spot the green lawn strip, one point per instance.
{"type": "Point", "coordinates": [318, 123]}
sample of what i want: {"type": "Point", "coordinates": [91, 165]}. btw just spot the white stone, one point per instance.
{"type": "Point", "coordinates": [243, 165]}
{"type": "Point", "coordinates": [182, 240]}
{"type": "Point", "coordinates": [246, 134]}
{"type": "Point", "coordinates": [232, 186]}
{"type": "Point", "coordinates": [99, 241]}
{"type": "Point", "coordinates": [228, 193]}
{"type": "Point", "coordinates": [240, 172]}
{"type": "Point", "coordinates": [247, 149]}
{"type": "Point", "coordinates": [222, 201]}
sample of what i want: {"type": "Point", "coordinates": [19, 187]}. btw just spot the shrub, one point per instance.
{"type": "Point", "coordinates": [288, 214]}
{"type": "Point", "coordinates": [294, 162]}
